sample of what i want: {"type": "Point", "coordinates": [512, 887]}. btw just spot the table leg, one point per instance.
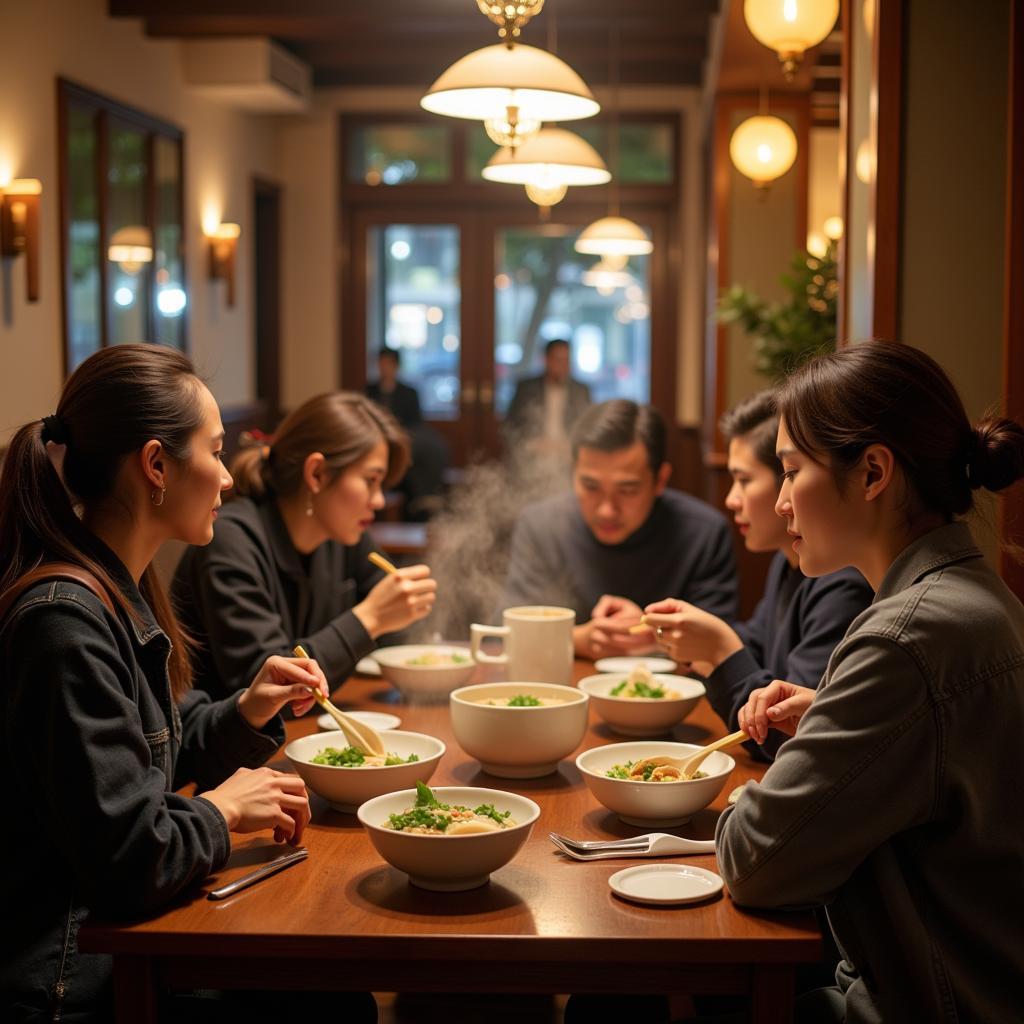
{"type": "Point", "coordinates": [134, 990]}
{"type": "Point", "coordinates": [772, 995]}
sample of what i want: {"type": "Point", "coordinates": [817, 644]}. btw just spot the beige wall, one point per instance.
{"type": "Point", "coordinates": [311, 153]}
{"type": "Point", "coordinates": [952, 270]}
{"type": "Point", "coordinates": [762, 242]}
{"type": "Point", "coordinates": [75, 39]}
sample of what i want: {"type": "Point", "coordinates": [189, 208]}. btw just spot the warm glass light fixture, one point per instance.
{"type": "Point", "coordinates": [223, 249]}
{"type": "Point", "coordinates": [510, 87]}
{"type": "Point", "coordinates": [763, 148]}
{"type": "Point", "coordinates": [510, 15]}
{"type": "Point", "coordinates": [790, 27]}
{"type": "Point", "coordinates": [833, 227]}
{"type": "Point", "coordinates": [19, 227]}
{"type": "Point", "coordinates": [552, 157]}
{"type": "Point", "coordinates": [614, 236]}
{"type": "Point", "coordinates": [131, 247]}
{"type": "Point", "coordinates": [607, 277]}
{"type": "Point", "coordinates": [535, 84]}
{"type": "Point", "coordinates": [546, 196]}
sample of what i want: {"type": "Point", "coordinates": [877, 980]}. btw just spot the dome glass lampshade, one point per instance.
{"type": "Point", "coordinates": [614, 236]}
{"type": "Point", "coordinates": [484, 84]}
{"type": "Point", "coordinates": [552, 157]}
{"type": "Point", "coordinates": [131, 247]}
{"type": "Point", "coordinates": [789, 27]}
{"type": "Point", "coordinates": [763, 148]}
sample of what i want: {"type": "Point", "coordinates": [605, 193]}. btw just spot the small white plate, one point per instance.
{"type": "Point", "coordinates": [665, 883]}
{"type": "Point", "coordinates": [375, 719]}
{"type": "Point", "coordinates": [627, 664]}
{"type": "Point", "coordinates": [367, 667]}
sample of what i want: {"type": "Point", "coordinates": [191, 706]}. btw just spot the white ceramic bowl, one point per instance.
{"type": "Point", "coordinates": [346, 788]}
{"type": "Point", "coordinates": [652, 804]}
{"type": "Point", "coordinates": [519, 743]}
{"type": "Point", "coordinates": [424, 684]}
{"type": "Point", "coordinates": [449, 863]}
{"type": "Point", "coordinates": [642, 716]}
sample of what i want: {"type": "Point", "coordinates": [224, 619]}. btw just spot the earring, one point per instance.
{"type": "Point", "coordinates": [157, 496]}
{"type": "Point", "coordinates": [309, 504]}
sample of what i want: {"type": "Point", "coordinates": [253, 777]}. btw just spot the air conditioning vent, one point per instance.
{"type": "Point", "coordinates": [254, 74]}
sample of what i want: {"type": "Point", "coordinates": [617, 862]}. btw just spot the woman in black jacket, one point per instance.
{"type": "Point", "coordinates": [288, 562]}
{"type": "Point", "coordinates": [798, 621]}
{"type": "Point", "coordinates": [100, 724]}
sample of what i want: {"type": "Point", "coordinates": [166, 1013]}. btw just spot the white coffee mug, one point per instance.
{"type": "Point", "coordinates": [537, 643]}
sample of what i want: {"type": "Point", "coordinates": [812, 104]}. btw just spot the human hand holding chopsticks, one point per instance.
{"type": "Point", "coordinates": [402, 597]}
{"type": "Point", "coordinates": [690, 634]}
{"type": "Point", "coordinates": [611, 629]}
{"type": "Point", "coordinates": [281, 681]}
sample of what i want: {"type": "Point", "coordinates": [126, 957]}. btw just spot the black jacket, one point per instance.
{"type": "Point", "coordinates": [247, 595]}
{"type": "Point", "coordinates": [525, 417]}
{"type": "Point", "coordinates": [403, 402]}
{"type": "Point", "coordinates": [791, 635]}
{"type": "Point", "coordinates": [93, 748]}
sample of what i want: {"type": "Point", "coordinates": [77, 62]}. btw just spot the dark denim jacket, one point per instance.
{"type": "Point", "coordinates": [93, 747]}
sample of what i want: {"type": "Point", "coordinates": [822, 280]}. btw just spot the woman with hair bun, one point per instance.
{"type": "Point", "coordinates": [288, 563]}
{"type": "Point", "coordinates": [799, 619]}
{"type": "Point", "coordinates": [893, 803]}
{"type": "Point", "coordinates": [100, 723]}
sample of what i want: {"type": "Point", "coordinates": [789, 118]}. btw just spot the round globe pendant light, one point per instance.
{"type": "Point", "coordinates": [546, 197]}
{"type": "Point", "coordinates": [552, 157]}
{"type": "Point", "coordinates": [614, 236]}
{"type": "Point", "coordinates": [789, 27]}
{"type": "Point", "coordinates": [763, 148]}
{"type": "Point", "coordinates": [534, 84]}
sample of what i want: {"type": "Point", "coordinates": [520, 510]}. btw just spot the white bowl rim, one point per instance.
{"type": "Point", "coordinates": [457, 694]}
{"type": "Point", "coordinates": [411, 793]}
{"type": "Point", "coordinates": [676, 782]}
{"type": "Point", "coordinates": [376, 768]}
{"type": "Point", "coordinates": [608, 677]}
{"type": "Point", "coordinates": [442, 648]}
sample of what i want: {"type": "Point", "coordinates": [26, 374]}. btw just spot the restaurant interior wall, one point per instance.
{"type": "Point", "coordinates": [953, 227]}
{"type": "Point", "coordinates": [223, 150]}
{"type": "Point", "coordinates": [312, 293]}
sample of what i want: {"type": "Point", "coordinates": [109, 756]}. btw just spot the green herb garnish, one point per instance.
{"type": "Point", "coordinates": [523, 700]}
{"type": "Point", "coordinates": [616, 690]}
{"type": "Point", "coordinates": [642, 689]}
{"type": "Point", "coordinates": [420, 817]}
{"type": "Point", "coordinates": [340, 758]}
{"type": "Point", "coordinates": [489, 811]}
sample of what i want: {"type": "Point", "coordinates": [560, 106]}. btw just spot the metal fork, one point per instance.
{"type": "Point", "coordinates": [654, 844]}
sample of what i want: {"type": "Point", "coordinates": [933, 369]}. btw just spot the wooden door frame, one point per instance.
{"type": "Point", "coordinates": [267, 363]}
{"type": "Point", "coordinates": [1011, 519]}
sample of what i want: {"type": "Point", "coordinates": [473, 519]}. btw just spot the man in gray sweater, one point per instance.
{"type": "Point", "coordinates": [620, 539]}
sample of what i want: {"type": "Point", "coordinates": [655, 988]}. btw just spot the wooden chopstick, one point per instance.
{"type": "Point", "coordinates": [381, 562]}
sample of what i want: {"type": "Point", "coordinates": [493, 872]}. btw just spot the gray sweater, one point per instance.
{"type": "Point", "coordinates": [896, 804]}
{"type": "Point", "coordinates": [684, 549]}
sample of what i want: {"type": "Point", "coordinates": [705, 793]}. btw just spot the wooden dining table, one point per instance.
{"type": "Point", "coordinates": [345, 920]}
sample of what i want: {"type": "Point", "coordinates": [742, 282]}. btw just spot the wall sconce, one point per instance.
{"type": "Point", "coordinates": [19, 227]}
{"type": "Point", "coordinates": [130, 247]}
{"type": "Point", "coordinates": [223, 244]}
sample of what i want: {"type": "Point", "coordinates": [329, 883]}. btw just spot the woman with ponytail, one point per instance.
{"type": "Point", "coordinates": [288, 564]}
{"type": "Point", "coordinates": [100, 724]}
{"type": "Point", "coordinates": [892, 804]}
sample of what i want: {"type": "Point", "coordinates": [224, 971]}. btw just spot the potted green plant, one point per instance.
{"type": "Point", "coordinates": [802, 325]}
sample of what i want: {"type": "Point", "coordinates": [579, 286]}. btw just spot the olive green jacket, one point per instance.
{"type": "Point", "coordinates": [897, 805]}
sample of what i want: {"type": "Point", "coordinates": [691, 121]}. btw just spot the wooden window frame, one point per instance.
{"type": "Point", "coordinates": [105, 109]}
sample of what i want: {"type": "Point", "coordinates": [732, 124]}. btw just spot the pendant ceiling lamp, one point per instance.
{"type": "Point", "coordinates": [763, 148]}
{"type": "Point", "coordinates": [789, 27]}
{"type": "Point", "coordinates": [614, 235]}
{"type": "Point", "coordinates": [552, 157]}
{"type": "Point", "coordinates": [509, 86]}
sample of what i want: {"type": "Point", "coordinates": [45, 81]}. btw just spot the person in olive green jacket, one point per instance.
{"type": "Point", "coordinates": [893, 803]}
